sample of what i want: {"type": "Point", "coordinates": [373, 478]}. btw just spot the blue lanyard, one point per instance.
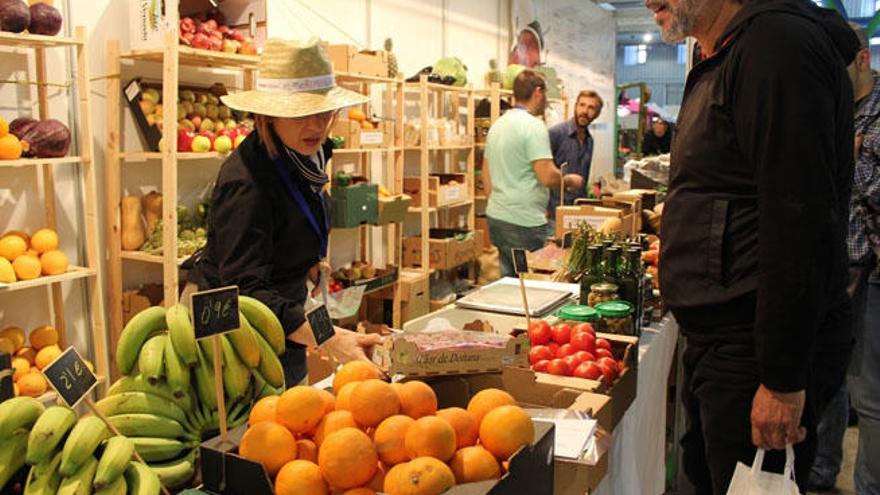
{"type": "Point", "coordinates": [297, 196]}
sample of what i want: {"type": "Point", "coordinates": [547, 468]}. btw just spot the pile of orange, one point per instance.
{"type": "Point", "coordinates": [378, 437]}
{"type": "Point", "coordinates": [24, 257]}
{"type": "Point", "coordinates": [30, 356]}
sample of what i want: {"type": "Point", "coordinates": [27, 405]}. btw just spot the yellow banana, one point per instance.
{"type": "Point", "coordinates": [176, 371]}
{"type": "Point", "coordinates": [118, 487]}
{"type": "Point", "coordinates": [175, 474]}
{"type": "Point", "coordinates": [114, 460]}
{"type": "Point", "coordinates": [132, 425]}
{"type": "Point", "coordinates": [12, 456]}
{"type": "Point", "coordinates": [182, 334]}
{"type": "Point", "coordinates": [18, 413]}
{"type": "Point", "coordinates": [80, 482]}
{"type": "Point", "coordinates": [236, 376]}
{"type": "Point", "coordinates": [151, 360]}
{"type": "Point", "coordinates": [244, 341]}
{"type": "Point", "coordinates": [135, 333]}
{"type": "Point", "coordinates": [137, 383]}
{"type": "Point", "coordinates": [141, 480]}
{"type": "Point", "coordinates": [264, 321]}
{"type": "Point", "coordinates": [204, 376]}
{"type": "Point", "coordinates": [44, 478]}
{"type": "Point", "coordinates": [47, 433]}
{"type": "Point", "coordinates": [159, 449]}
{"type": "Point", "coordinates": [85, 437]}
{"type": "Point", "coordinates": [140, 403]}
{"type": "Point", "coordinates": [270, 366]}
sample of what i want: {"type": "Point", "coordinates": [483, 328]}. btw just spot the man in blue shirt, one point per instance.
{"type": "Point", "coordinates": [572, 145]}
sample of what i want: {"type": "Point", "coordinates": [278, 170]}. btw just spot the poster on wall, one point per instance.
{"type": "Point", "coordinates": [528, 48]}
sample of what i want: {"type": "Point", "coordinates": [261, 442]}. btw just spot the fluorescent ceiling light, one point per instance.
{"type": "Point", "coordinates": [648, 37]}
{"type": "Point", "coordinates": [874, 41]}
{"type": "Point", "coordinates": [606, 6]}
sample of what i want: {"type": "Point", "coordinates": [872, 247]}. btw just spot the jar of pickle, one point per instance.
{"type": "Point", "coordinates": [578, 313]}
{"type": "Point", "coordinates": [602, 292]}
{"type": "Point", "coordinates": [617, 317]}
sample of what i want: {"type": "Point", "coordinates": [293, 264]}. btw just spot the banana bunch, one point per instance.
{"type": "Point", "coordinates": [167, 402]}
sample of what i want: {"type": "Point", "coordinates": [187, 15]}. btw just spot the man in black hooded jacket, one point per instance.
{"type": "Point", "coordinates": [753, 258]}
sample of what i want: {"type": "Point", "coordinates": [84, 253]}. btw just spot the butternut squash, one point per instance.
{"type": "Point", "coordinates": [152, 210]}
{"type": "Point", "coordinates": [133, 234]}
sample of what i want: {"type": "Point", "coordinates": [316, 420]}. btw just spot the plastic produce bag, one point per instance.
{"type": "Point", "coordinates": [754, 481]}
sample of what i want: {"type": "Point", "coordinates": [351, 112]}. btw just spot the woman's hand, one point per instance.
{"type": "Point", "coordinates": [348, 346]}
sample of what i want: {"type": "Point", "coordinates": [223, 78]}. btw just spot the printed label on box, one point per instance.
{"type": "Point", "coordinates": [132, 90]}
{"type": "Point", "coordinates": [453, 193]}
{"type": "Point", "coordinates": [372, 137]}
{"type": "Point", "coordinates": [573, 221]}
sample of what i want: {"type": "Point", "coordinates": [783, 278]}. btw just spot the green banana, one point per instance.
{"type": "Point", "coordinates": [141, 403]}
{"type": "Point", "coordinates": [244, 341]}
{"type": "Point", "coordinates": [207, 347]}
{"type": "Point", "coordinates": [132, 425]}
{"type": "Point", "coordinates": [141, 480]}
{"type": "Point", "coordinates": [264, 321]}
{"type": "Point", "coordinates": [18, 413]}
{"type": "Point", "coordinates": [44, 478]}
{"type": "Point", "coordinates": [159, 449]}
{"type": "Point", "coordinates": [151, 360]}
{"type": "Point", "coordinates": [204, 375]}
{"type": "Point", "coordinates": [137, 383]}
{"type": "Point", "coordinates": [117, 487]}
{"type": "Point", "coordinates": [175, 474]}
{"type": "Point", "coordinates": [80, 445]}
{"type": "Point", "coordinates": [182, 334]}
{"type": "Point", "coordinates": [176, 371]}
{"type": "Point", "coordinates": [79, 482]}
{"type": "Point", "coordinates": [47, 432]}
{"type": "Point", "coordinates": [135, 333]}
{"type": "Point", "coordinates": [12, 456]}
{"type": "Point", "coordinates": [236, 376]}
{"type": "Point", "coordinates": [270, 366]}
{"type": "Point", "coordinates": [114, 460]}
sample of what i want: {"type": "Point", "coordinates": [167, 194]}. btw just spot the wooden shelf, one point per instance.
{"type": "Point", "coordinates": [146, 257]}
{"type": "Point", "coordinates": [198, 58]}
{"type": "Point", "coordinates": [353, 151]}
{"type": "Point", "coordinates": [349, 76]}
{"type": "Point", "coordinates": [73, 273]}
{"type": "Point", "coordinates": [157, 155]}
{"type": "Point", "coordinates": [414, 86]}
{"type": "Point", "coordinates": [24, 162]}
{"type": "Point", "coordinates": [441, 148]}
{"type": "Point", "coordinates": [418, 209]}
{"type": "Point", "coordinates": [479, 145]}
{"type": "Point", "coordinates": [25, 40]}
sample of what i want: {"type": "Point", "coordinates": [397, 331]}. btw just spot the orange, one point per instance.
{"type": "Point", "coordinates": [332, 423]}
{"type": "Point", "coordinates": [27, 267]}
{"type": "Point", "coordinates": [359, 491]}
{"type": "Point", "coordinates": [378, 480]}
{"type": "Point", "coordinates": [12, 246]}
{"type": "Point", "coordinates": [300, 409]}
{"type": "Point", "coordinates": [43, 336]}
{"type": "Point", "coordinates": [348, 458]}
{"type": "Point", "coordinates": [472, 464]}
{"type": "Point", "coordinates": [10, 147]}
{"type": "Point", "coordinates": [421, 476]}
{"type": "Point", "coordinates": [372, 401]}
{"type": "Point", "coordinates": [7, 345]}
{"type": "Point", "coordinates": [430, 437]}
{"type": "Point", "coordinates": [270, 444]}
{"type": "Point", "coordinates": [15, 334]}
{"type": "Point", "coordinates": [21, 366]}
{"type": "Point", "coordinates": [28, 353]}
{"type": "Point", "coordinates": [263, 410]}
{"type": "Point", "coordinates": [417, 399]}
{"type": "Point", "coordinates": [486, 400]}
{"type": "Point", "coordinates": [353, 371]}
{"type": "Point", "coordinates": [7, 273]}
{"type": "Point", "coordinates": [357, 115]}
{"type": "Point", "coordinates": [505, 430]}
{"type": "Point", "coordinates": [300, 478]}
{"type": "Point", "coordinates": [390, 439]}
{"type": "Point", "coordinates": [465, 426]}
{"type": "Point", "coordinates": [329, 400]}
{"type": "Point", "coordinates": [18, 233]}
{"type": "Point", "coordinates": [307, 450]}
{"type": "Point", "coordinates": [44, 240]}
{"type": "Point", "coordinates": [53, 262]}
{"type": "Point", "coordinates": [46, 355]}
{"type": "Point", "coordinates": [343, 398]}
{"type": "Point", "coordinates": [32, 385]}
{"type": "Point", "coordinates": [4, 127]}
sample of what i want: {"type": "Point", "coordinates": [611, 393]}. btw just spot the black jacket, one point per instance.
{"type": "Point", "coordinates": [761, 174]}
{"type": "Point", "coordinates": [653, 145]}
{"type": "Point", "coordinates": [258, 238]}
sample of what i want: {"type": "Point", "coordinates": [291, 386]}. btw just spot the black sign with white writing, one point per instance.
{"type": "Point", "coordinates": [322, 326]}
{"type": "Point", "coordinates": [567, 239]}
{"type": "Point", "coordinates": [215, 311]}
{"type": "Point", "coordinates": [520, 261]}
{"type": "Point", "coordinates": [70, 377]}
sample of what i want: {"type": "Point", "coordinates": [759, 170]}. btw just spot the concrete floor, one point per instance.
{"type": "Point", "coordinates": [845, 479]}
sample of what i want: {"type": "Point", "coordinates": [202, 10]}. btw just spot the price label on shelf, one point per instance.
{"type": "Point", "coordinates": [70, 377]}
{"type": "Point", "coordinates": [520, 261]}
{"type": "Point", "coordinates": [215, 311]}
{"type": "Point", "coordinates": [322, 325]}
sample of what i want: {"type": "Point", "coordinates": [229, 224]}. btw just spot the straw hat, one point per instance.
{"type": "Point", "coordinates": [295, 79]}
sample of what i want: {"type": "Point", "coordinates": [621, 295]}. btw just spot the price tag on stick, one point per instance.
{"type": "Point", "coordinates": [521, 266]}
{"type": "Point", "coordinates": [322, 325]}
{"type": "Point", "coordinates": [567, 240]}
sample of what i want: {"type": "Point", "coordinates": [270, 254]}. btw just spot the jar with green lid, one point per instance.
{"type": "Point", "coordinates": [602, 292]}
{"type": "Point", "coordinates": [617, 317]}
{"type": "Point", "coordinates": [578, 312]}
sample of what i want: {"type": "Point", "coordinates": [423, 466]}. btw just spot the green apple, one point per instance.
{"type": "Point", "coordinates": [201, 144]}
{"type": "Point", "coordinates": [206, 125]}
{"type": "Point", "coordinates": [238, 140]}
{"type": "Point", "coordinates": [211, 111]}
{"type": "Point", "coordinates": [200, 110]}
{"type": "Point", "coordinates": [231, 124]}
{"type": "Point", "coordinates": [222, 144]}
{"type": "Point", "coordinates": [187, 95]}
{"type": "Point", "coordinates": [224, 112]}
{"type": "Point", "coordinates": [151, 94]}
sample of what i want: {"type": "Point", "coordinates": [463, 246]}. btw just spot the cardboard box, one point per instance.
{"type": "Point", "coordinates": [320, 366]}
{"type": "Point", "coordinates": [384, 277]}
{"type": "Point", "coordinates": [224, 472]}
{"type": "Point", "coordinates": [415, 294]}
{"type": "Point", "coordinates": [443, 189]}
{"type": "Point", "coordinates": [393, 208]}
{"type": "Point", "coordinates": [596, 212]}
{"type": "Point", "coordinates": [400, 356]}
{"type": "Point", "coordinates": [347, 58]}
{"type": "Point", "coordinates": [648, 197]}
{"type": "Point", "coordinates": [354, 205]}
{"type": "Point", "coordinates": [149, 20]}
{"type": "Point", "coordinates": [356, 137]}
{"type": "Point", "coordinates": [135, 301]}
{"type": "Point", "coordinates": [444, 250]}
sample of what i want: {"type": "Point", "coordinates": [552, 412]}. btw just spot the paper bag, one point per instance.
{"type": "Point", "coordinates": [753, 481]}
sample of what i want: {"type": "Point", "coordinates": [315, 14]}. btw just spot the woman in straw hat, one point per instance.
{"type": "Point", "coordinates": [268, 223]}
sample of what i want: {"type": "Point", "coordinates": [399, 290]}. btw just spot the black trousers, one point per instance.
{"type": "Point", "coordinates": [721, 378]}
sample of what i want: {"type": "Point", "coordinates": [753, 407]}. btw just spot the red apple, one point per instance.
{"type": "Point", "coordinates": [539, 353]}
{"type": "Point", "coordinates": [601, 352]}
{"type": "Point", "coordinates": [184, 140]}
{"type": "Point", "coordinates": [561, 333]}
{"type": "Point", "coordinates": [201, 40]}
{"type": "Point", "coordinates": [565, 350]}
{"type": "Point", "coordinates": [231, 133]}
{"type": "Point", "coordinates": [603, 343]}
{"type": "Point", "coordinates": [572, 361]}
{"type": "Point", "coordinates": [558, 367]}
{"type": "Point", "coordinates": [541, 366]}
{"type": "Point", "coordinates": [216, 44]}
{"type": "Point", "coordinates": [186, 38]}
{"type": "Point", "coordinates": [584, 356]}
{"type": "Point", "coordinates": [539, 332]}
{"type": "Point", "coordinates": [210, 25]}
{"type": "Point", "coordinates": [583, 341]}
{"type": "Point", "coordinates": [237, 36]}
{"type": "Point", "coordinates": [187, 25]}
{"type": "Point", "coordinates": [196, 120]}
{"type": "Point", "coordinates": [588, 370]}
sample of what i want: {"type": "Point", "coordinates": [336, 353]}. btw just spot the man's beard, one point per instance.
{"type": "Point", "coordinates": [584, 119]}
{"type": "Point", "coordinates": [682, 20]}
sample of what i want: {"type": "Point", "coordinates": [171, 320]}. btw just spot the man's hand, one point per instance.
{"type": "Point", "coordinates": [776, 418]}
{"type": "Point", "coordinates": [348, 346]}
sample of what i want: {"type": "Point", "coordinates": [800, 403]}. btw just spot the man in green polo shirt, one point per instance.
{"type": "Point", "coordinates": [519, 171]}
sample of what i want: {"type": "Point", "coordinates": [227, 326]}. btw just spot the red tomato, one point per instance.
{"type": "Point", "coordinates": [541, 366]}
{"type": "Point", "coordinates": [584, 356]}
{"type": "Point", "coordinates": [603, 343]}
{"type": "Point", "coordinates": [588, 370]}
{"type": "Point", "coordinates": [553, 347]}
{"type": "Point", "coordinates": [583, 327]}
{"type": "Point", "coordinates": [610, 362]}
{"type": "Point", "coordinates": [561, 333]}
{"type": "Point", "coordinates": [583, 341]}
{"type": "Point", "coordinates": [558, 367]}
{"type": "Point", "coordinates": [539, 353]}
{"type": "Point", "coordinates": [601, 353]}
{"type": "Point", "coordinates": [572, 361]}
{"type": "Point", "coordinates": [565, 350]}
{"type": "Point", "coordinates": [609, 373]}
{"type": "Point", "coordinates": [539, 332]}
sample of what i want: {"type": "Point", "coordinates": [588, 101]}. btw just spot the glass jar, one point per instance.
{"type": "Point", "coordinates": [617, 317]}
{"type": "Point", "coordinates": [578, 313]}
{"type": "Point", "coordinates": [602, 292]}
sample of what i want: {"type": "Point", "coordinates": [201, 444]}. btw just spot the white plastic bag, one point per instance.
{"type": "Point", "coordinates": [753, 481]}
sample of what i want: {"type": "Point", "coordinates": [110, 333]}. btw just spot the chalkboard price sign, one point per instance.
{"type": "Point", "coordinates": [215, 311]}
{"type": "Point", "coordinates": [322, 326]}
{"type": "Point", "coordinates": [70, 377]}
{"type": "Point", "coordinates": [567, 239]}
{"type": "Point", "coordinates": [520, 261]}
